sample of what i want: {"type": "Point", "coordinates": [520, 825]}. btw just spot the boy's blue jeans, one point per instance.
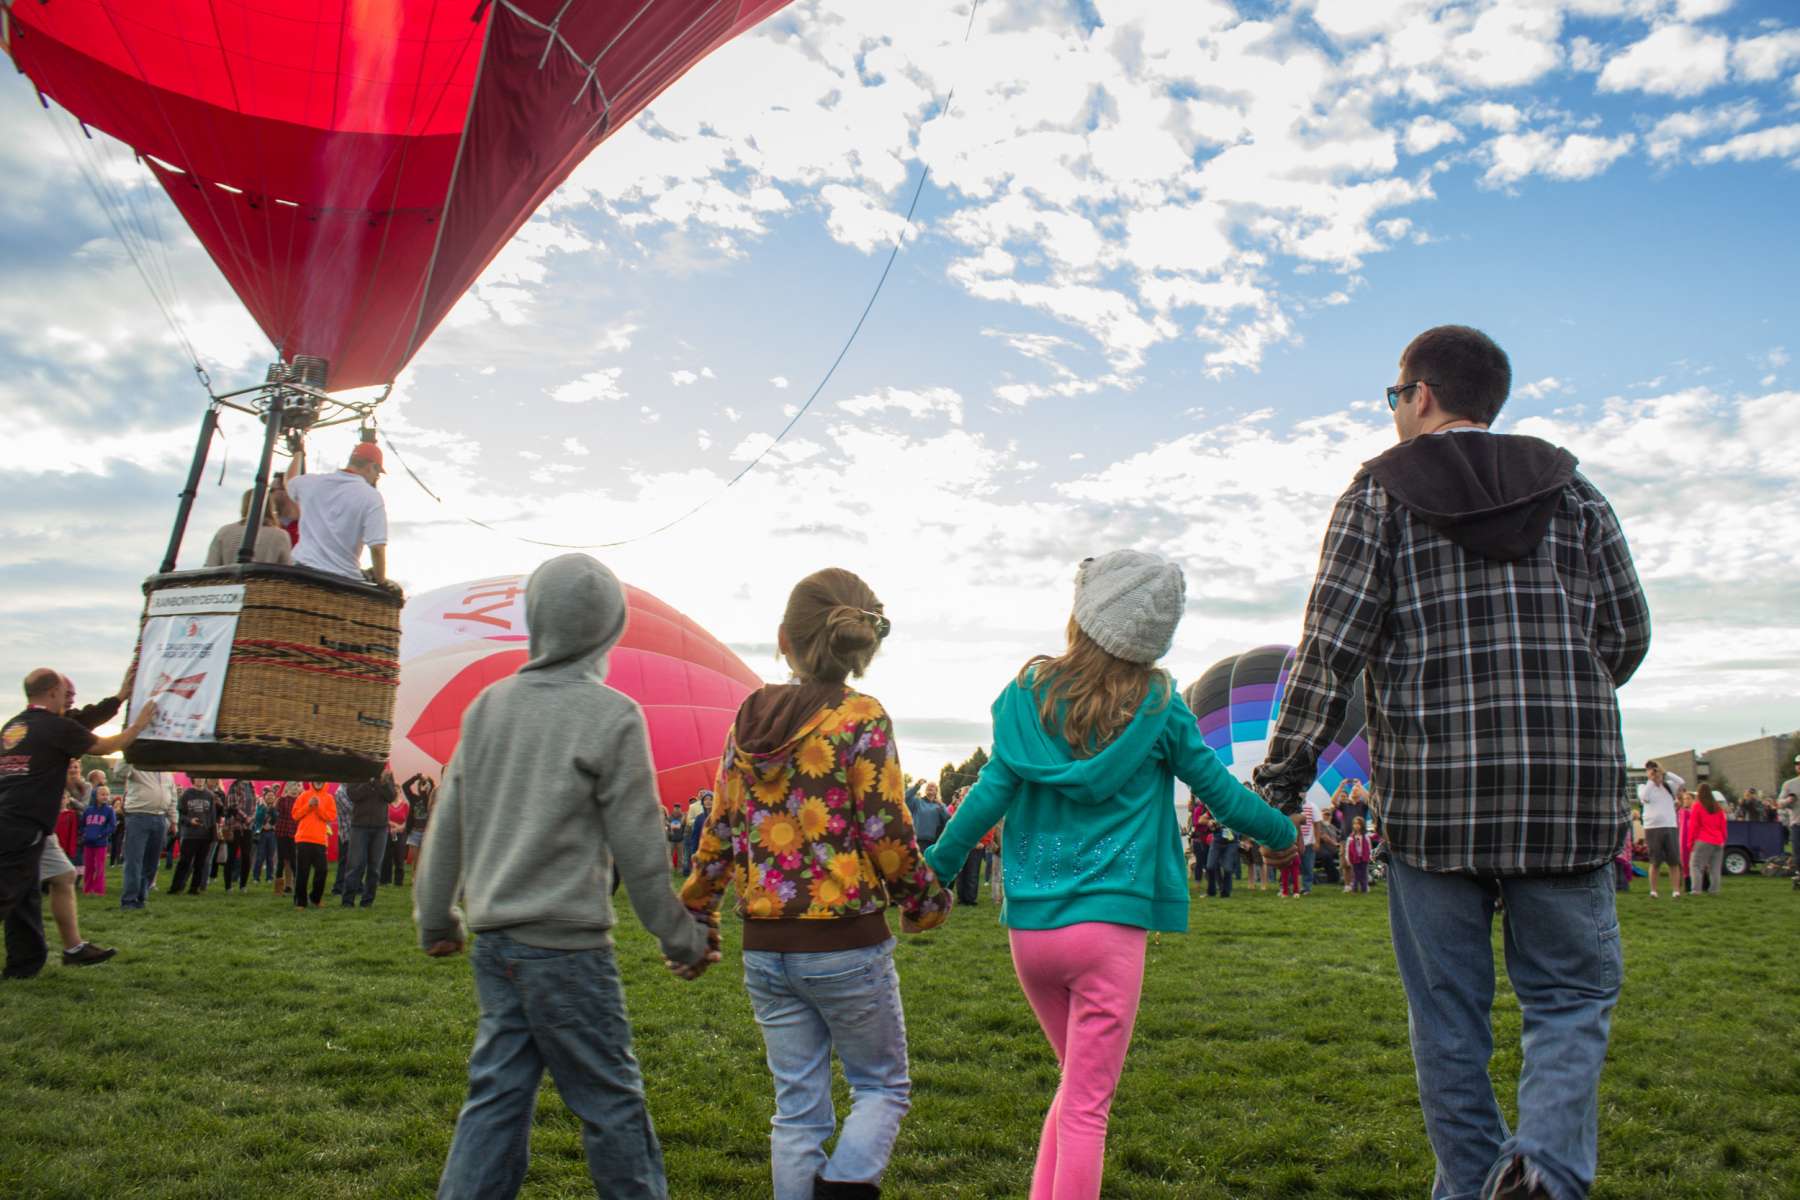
{"type": "Point", "coordinates": [1562, 956]}
{"type": "Point", "coordinates": [265, 855]}
{"type": "Point", "coordinates": [808, 1005]}
{"type": "Point", "coordinates": [565, 1010]}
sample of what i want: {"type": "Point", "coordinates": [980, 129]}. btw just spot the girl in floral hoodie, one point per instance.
{"type": "Point", "coordinates": [809, 822]}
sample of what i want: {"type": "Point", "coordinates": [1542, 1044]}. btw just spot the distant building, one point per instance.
{"type": "Point", "coordinates": [1761, 764]}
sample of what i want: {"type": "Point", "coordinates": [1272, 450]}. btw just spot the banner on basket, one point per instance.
{"type": "Point", "coordinates": [180, 602]}
{"type": "Point", "coordinates": [181, 665]}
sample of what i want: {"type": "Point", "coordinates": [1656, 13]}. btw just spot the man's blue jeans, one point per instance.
{"type": "Point", "coordinates": [365, 850]}
{"type": "Point", "coordinates": [144, 835]}
{"type": "Point", "coordinates": [1562, 955]}
{"type": "Point", "coordinates": [565, 1010]}
{"type": "Point", "coordinates": [808, 1005]}
{"type": "Point", "coordinates": [1307, 856]}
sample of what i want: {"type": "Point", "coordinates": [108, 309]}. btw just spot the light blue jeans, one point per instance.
{"type": "Point", "coordinates": [565, 1010]}
{"type": "Point", "coordinates": [807, 1006]}
{"type": "Point", "coordinates": [1562, 955]}
{"type": "Point", "coordinates": [144, 834]}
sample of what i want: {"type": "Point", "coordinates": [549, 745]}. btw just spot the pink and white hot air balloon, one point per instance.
{"type": "Point", "coordinates": [456, 640]}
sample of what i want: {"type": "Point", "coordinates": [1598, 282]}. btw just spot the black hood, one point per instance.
{"type": "Point", "coordinates": [1492, 494]}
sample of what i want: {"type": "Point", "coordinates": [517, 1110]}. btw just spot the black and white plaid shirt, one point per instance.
{"type": "Point", "coordinates": [1493, 724]}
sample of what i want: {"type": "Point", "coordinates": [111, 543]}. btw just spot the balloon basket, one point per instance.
{"type": "Point", "coordinates": [311, 669]}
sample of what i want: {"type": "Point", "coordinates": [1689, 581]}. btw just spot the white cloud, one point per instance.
{"type": "Point", "coordinates": [920, 403]}
{"type": "Point", "coordinates": [1538, 389]}
{"type": "Point", "coordinates": [1668, 137]}
{"type": "Point", "coordinates": [595, 385]}
{"type": "Point", "coordinates": [1425, 134]}
{"type": "Point", "coordinates": [1509, 45]}
{"type": "Point", "coordinates": [1675, 60]}
{"type": "Point", "coordinates": [1585, 55]}
{"type": "Point", "coordinates": [779, 381]}
{"type": "Point", "coordinates": [1513, 156]}
{"type": "Point", "coordinates": [506, 291]}
{"type": "Point", "coordinates": [1763, 59]}
{"type": "Point", "coordinates": [37, 447]}
{"type": "Point", "coordinates": [858, 219]}
{"type": "Point", "coordinates": [1777, 141]}
{"type": "Point", "coordinates": [793, 450]}
{"type": "Point", "coordinates": [1503, 118]}
{"type": "Point", "coordinates": [683, 377]}
{"type": "Point", "coordinates": [575, 446]}
{"type": "Point", "coordinates": [615, 339]}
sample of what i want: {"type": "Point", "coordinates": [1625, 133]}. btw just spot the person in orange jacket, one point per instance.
{"type": "Point", "coordinates": [315, 812]}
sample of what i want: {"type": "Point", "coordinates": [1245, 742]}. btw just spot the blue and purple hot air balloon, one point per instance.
{"type": "Point", "coordinates": [1237, 700]}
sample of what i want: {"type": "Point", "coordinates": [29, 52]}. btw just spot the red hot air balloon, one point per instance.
{"type": "Point", "coordinates": [352, 167]}
{"type": "Point", "coordinates": [457, 640]}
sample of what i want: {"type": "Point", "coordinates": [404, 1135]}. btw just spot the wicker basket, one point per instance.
{"type": "Point", "coordinates": [309, 689]}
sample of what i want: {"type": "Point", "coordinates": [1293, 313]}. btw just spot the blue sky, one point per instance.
{"type": "Point", "coordinates": [1166, 260]}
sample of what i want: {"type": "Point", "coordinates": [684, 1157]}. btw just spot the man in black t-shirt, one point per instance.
{"type": "Point", "coordinates": [36, 747]}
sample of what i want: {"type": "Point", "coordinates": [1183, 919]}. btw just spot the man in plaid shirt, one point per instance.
{"type": "Point", "coordinates": [1480, 590]}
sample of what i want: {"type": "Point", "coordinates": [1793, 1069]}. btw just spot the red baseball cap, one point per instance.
{"type": "Point", "coordinates": [368, 452]}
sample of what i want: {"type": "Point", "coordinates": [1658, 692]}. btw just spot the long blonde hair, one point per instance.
{"type": "Point", "coordinates": [1090, 696]}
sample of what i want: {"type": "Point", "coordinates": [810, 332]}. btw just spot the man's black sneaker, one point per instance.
{"type": "Point", "coordinates": [86, 955]}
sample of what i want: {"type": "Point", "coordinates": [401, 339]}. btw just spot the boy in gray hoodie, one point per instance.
{"type": "Point", "coordinates": [551, 785]}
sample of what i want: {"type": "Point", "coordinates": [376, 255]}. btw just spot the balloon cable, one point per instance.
{"type": "Point", "coordinates": [880, 282]}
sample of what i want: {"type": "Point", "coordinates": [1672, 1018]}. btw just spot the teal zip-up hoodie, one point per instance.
{"type": "Point", "coordinates": [1096, 839]}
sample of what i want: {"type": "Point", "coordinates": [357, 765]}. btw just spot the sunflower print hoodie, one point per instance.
{"type": "Point", "coordinates": [809, 822]}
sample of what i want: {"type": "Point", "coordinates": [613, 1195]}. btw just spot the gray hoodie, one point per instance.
{"type": "Point", "coordinates": [550, 785]}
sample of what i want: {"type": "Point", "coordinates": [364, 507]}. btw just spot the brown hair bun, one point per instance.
{"type": "Point", "coordinates": [832, 623]}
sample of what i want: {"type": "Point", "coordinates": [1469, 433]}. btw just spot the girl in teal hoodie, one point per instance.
{"type": "Point", "coordinates": [1087, 748]}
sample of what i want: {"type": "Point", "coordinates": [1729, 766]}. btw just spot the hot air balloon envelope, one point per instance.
{"type": "Point", "coordinates": [1237, 701]}
{"type": "Point", "coordinates": [351, 168]}
{"type": "Point", "coordinates": [457, 640]}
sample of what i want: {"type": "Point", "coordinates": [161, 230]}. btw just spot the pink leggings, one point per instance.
{"type": "Point", "coordinates": [1083, 982]}
{"type": "Point", "coordinates": [93, 870]}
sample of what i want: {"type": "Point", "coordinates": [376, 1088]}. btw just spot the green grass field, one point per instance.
{"type": "Point", "coordinates": [238, 1048]}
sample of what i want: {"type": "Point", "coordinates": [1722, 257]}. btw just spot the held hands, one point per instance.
{"type": "Point", "coordinates": [1281, 858]}
{"type": "Point", "coordinates": [444, 949]}
{"type": "Point", "coordinates": [697, 968]}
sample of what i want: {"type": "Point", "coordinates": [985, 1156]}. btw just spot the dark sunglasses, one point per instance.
{"type": "Point", "coordinates": [1394, 393]}
{"type": "Point", "coordinates": [882, 625]}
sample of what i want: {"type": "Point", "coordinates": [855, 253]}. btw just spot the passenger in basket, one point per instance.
{"type": "Point", "coordinates": [272, 545]}
{"type": "Point", "coordinates": [339, 514]}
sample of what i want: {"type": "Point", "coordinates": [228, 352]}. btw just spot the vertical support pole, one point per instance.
{"type": "Point", "coordinates": [208, 425]}
{"type": "Point", "coordinates": [260, 494]}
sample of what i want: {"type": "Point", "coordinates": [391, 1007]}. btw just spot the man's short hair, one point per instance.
{"type": "Point", "coordinates": [1653, 765]}
{"type": "Point", "coordinates": [1468, 372]}
{"type": "Point", "coordinates": [40, 683]}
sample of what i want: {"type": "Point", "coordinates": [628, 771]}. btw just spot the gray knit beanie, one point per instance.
{"type": "Point", "coordinates": [1130, 602]}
